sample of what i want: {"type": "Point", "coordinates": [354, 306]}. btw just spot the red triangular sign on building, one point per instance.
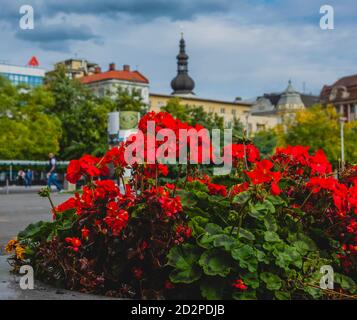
{"type": "Point", "coordinates": [33, 62]}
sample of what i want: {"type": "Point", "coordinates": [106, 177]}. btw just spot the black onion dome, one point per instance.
{"type": "Point", "coordinates": [182, 83]}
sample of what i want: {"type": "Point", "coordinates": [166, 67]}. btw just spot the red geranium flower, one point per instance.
{"type": "Point", "coordinates": [75, 243]}
{"type": "Point", "coordinates": [239, 284]}
{"type": "Point", "coordinates": [138, 272]}
{"type": "Point", "coordinates": [216, 189]}
{"type": "Point", "coordinates": [85, 233]}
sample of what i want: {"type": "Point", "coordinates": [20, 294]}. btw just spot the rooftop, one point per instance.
{"type": "Point", "coordinates": [192, 97]}
{"type": "Point", "coordinates": [112, 74]}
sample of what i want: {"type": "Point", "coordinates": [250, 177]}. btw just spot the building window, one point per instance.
{"type": "Point", "coordinates": [234, 112]}
{"type": "Point", "coordinates": [101, 92]}
{"type": "Point", "coordinates": [223, 110]}
{"type": "Point", "coordinates": [260, 127]}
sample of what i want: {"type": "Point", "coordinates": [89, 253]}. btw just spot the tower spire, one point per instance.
{"type": "Point", "coordinates": [182, 84]}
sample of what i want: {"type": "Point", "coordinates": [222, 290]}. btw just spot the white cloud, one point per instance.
{"type": "Point", "coordinates": [245, 52]}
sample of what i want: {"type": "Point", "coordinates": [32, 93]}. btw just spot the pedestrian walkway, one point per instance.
{"type": "Point", "coordinates": [20, 189]}
{"type": "Point", "coordinates": [10, 288]}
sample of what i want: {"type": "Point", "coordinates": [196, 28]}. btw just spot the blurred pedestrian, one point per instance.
{"type": "Point", "coordinates": [20, 177]}
{"type": "Point", "coordinates": [28, 178]}
{"type": "Point", "coordinates": [52, 173]}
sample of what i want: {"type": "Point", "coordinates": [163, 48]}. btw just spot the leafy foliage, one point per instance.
{"type": "Point", "coordinates": [264, 232]}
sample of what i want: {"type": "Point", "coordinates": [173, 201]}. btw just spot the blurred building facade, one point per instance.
{"type": "Point", "coordinates": [76, 68]}
{"type": "Point", "coordinates": [283, 106]}
{"type": "Point", "coordinates": [30, 74]}
{"type": "Point", "coordinates": [108, 82]}
{"type": "Point", "coordinates": [343, 96]}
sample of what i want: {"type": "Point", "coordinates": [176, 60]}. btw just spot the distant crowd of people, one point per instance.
{"type": "Point", "coordinates": [25, 177]}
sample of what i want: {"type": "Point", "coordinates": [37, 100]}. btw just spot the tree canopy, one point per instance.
{"type": "Point", "coordinates": [26, 131]}
{"type": "Point", "coordinates": [319, 128]}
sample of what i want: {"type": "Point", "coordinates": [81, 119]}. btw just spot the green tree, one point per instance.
{"type": "Point", "coordinates": [319, 128]}
{"type": "Point", "coordinates": [129, 100]}
{"type": "Point", "coordinates": [26, 131]}
{"type": "Point", "coordinates": [238, 132]}
{"type": "Point", "coordinates": [266, 141]}
{"type": "Point", "coordinates": [83, 116]}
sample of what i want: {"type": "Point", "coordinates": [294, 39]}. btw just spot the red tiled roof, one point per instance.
{"type": "Point", "coordinates": [133, 76]}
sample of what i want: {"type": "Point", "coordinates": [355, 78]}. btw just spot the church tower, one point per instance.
{"type": "Point", "coordinates": [182, 84]}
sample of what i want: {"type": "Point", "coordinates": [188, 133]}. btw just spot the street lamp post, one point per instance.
{"type": "Point", "coordinates": [247, 114]}
{"type": "Point", "coordinates": [342, 124]}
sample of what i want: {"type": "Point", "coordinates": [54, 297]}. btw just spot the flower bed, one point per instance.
{"type": "Point", "coordinates": [262, 232]}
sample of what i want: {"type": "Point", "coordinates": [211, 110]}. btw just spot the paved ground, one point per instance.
{"type": "Point", "coordinates": [17, 210]}
{"type": "Point", "coordinates": [10, 289]}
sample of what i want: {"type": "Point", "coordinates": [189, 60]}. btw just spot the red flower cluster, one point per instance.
{"type": "Point", "coordinates": [116, 156]}
{"type": "Point", "coordinates": [87, 165]}
{"type": "Point", "coordinates": [75, 243]}
{"type": "Point", "coordinates": [238, 188]}
{"type": "Point", "coordinates": [342, 211]}
{"type": "Point", "coordinates": [116, 218]}
{"type": "Point", "coordinates": [170, 206]}
{"type": "Point", "coordinates": [296, 160]}
{"type": "Point", "coordinates": [217, 189]}
{"type": "Point", "coordinates": [263, 174]}
{"type": "Point", "coordinates": [240, 151]}
{"type": "Point", "coordinates": [182, 232]}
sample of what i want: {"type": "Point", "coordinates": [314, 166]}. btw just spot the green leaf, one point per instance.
{"type": "Point", "coordinates": [281, 295]}
{"type": "Point", "coordinates": [197, 224]}
{"type": "Point", "coordinates": [188, 275]}
{"type": "Point", "coordinates": [65, 225]}
{"type": "Point", "coordinates": [262, 257]}
{"type": "Point", "coordinates": [270, 223]}
{"type": "Point", "coordinates": [241, 198]}
{"type": "Point", "coordinates": [213, 229]}
{"type": "Point", "coordinates": [215, 262]}
{"type": "Point", "coordinates": [212, 289]}
{"type": "Point", "coordinates": [272, 281]}
{"type": "Point", "coordinates": [271, 236]}
{"type": "Point", "coordinates": [314, 292]}
{"type": "Point", "coordinates": [256, 211]}
{"type": "Point", "coordinates": [36, 231]}
{"type": "Point", "coordinates": [345, 282]}
{"type": "Point", "coordinates": [275, 200]}
{"type": "Point", "coordinates": [251, 280]}
{"type": "Point", "coordinates": [269, 206]}
{"type": "Point", "coordinates": [186, 198]}
{"type": "Point", "coordinates": [302, 243]}
{"type": "Point", "coordinates": [246, 295]}
{"type": "Point", "coordinates": [243, 233]}
{"type": "Point", "coordinates": [184, 259]}
{"type": "Point", "coordinates": [224, 240]}
{"type": "Point", "coordinates": [288, 256]}
{"type": "Point", "coordinates": [246, 257]}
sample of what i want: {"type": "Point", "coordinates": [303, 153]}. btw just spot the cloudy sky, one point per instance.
{"type": "Point", "coordinates": [236, 48]}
